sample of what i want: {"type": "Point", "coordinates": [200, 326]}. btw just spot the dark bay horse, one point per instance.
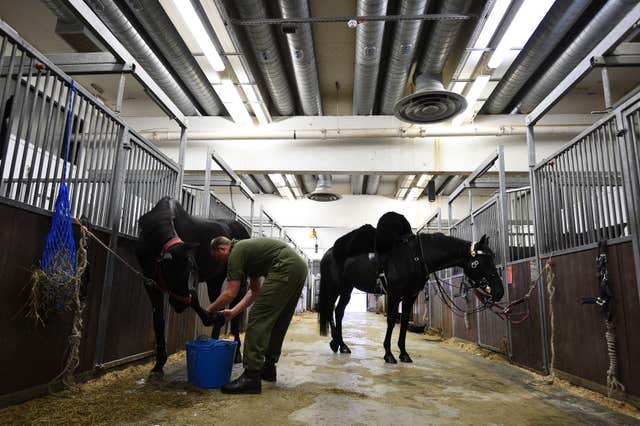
{"type": "Point", "coordinates": [406, 268]}
{"type": "Point", "coordinates": [173, 251]}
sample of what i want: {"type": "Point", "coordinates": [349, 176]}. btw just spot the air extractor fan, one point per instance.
{"type": "Point", "coordinates": [323, 190]}
{"type": "Point", "coordinates": [430, 103]}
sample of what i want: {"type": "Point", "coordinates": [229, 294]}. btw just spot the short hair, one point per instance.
{"type": "Point", "coordinates": [219, 241]}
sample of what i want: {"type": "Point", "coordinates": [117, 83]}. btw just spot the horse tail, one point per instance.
{"type": "Point", "coordinates": [325, 309]}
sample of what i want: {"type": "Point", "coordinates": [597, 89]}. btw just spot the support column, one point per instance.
{"type": "Point", "coordinates": [504, 214]}
{"type": "Point", "coordinates": [114, 215]}
{"type": "Point", "coordinates": [542, 300]}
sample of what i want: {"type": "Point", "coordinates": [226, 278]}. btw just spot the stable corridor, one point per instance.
{"type": "Point", "coordinates": [444, 385]}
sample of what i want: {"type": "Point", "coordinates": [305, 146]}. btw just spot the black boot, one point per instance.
{"type": "Point", "coordinates": [269, 370]}
{"type": "Point", "coordinates": [248, 383]}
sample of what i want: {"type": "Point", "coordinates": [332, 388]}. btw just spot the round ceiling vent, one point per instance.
{"type": "Point", "coordinates": [324, 196]}
{"type": "Point", "coordinates": [429, 107]}
{"type": "Point", "coordinates": [431, 103]}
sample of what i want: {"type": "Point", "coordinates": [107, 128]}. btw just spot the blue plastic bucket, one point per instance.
{"type": "Point", "coordinates": [209, 362]}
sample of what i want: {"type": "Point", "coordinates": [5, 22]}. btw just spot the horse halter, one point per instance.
{"type": "Point", "coordinates": [480, 285]}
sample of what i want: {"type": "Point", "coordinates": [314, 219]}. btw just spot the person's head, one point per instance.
{"type": "Point", "coordinates": [220, 248]}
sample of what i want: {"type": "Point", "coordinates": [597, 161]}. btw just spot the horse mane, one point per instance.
{"type": "Point", "coordinates": [391, 228]}
{"type": "Point", "coordinates": [358, 241]}
{"type": "Point", "coordinates": [157, 224]}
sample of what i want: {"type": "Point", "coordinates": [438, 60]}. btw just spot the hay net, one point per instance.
{"type": "Point", "coordinates": [55, 283]}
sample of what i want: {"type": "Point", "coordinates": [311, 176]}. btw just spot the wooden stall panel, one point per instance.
{"type": "Point", "coordinates": [579, 342]}
{"type": "Point", "coordinates": [492, 331]}
{"type": "Point", "coordinates": [130, 328]}
{"type": "Point", "coordinates": [36, 352]}
{"type": "Point", "coordinates": [464, 328]}
{"type": "Point", "coordinates": [526, 337]}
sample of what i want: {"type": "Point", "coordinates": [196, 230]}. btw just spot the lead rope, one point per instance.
{"type": "Point", "coordinates": [551, 289]}
{"type": "Point", "coordinates": [612, 380]}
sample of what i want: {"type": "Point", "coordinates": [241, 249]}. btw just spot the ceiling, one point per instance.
{"type": "Point", "coordinates": [335, 51]}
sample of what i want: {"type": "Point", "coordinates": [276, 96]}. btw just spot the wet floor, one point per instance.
{"type": "Point", "coordinates": [315, 386]}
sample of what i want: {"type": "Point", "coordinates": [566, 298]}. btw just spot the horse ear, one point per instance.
{"type": "Point", "coordinates": [484, 241]}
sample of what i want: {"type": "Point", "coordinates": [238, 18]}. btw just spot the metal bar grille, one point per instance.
{"type": "Point", "coordinates": [149, 176]}
{"type": "Point", "coordinates": [520, 230]}
{"type": "Point", "coordinates": [486, 221]}
{"type": "Point", "coordinates": [33, 109]}
{"type": "Point", "coordinates": [582, 191]}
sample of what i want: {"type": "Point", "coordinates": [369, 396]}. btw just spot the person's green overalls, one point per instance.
{"type": "Point", "coordinates": [275, 304]}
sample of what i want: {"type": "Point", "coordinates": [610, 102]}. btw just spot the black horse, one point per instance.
{"type": "Point", "coordinates": [173, 251]}
{"type": "Point", "coordinates": [406, 267]}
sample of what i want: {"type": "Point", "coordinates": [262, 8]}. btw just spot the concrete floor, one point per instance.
{"type": "Point", "coordinates": [444, 385]}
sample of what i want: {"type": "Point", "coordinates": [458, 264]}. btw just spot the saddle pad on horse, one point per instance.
{"type": "Point", "coordinates": [358, 241]}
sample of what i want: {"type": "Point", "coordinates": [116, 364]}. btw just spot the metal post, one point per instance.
{"type": "Point", "coordinates": [503, 229]}
{"type": "Point", "coordinates": [207, 185]}
{"type": "Point", "coordinates": [631, 177]}
{"type": "Point", "coordinates": [260, 223]}
{"type": "Point", "coordinates": [537, 244]}
{"type": "Point", "coordinates": [181, 155]}
{"type": "Point", "coordinates": [606, 88]}
{"type": "Point", "coordinates": [115, 210]}
{"type": "Point", "coordinates": [120, 94]}
{"type": "Point", "coordinates": [472, 220]}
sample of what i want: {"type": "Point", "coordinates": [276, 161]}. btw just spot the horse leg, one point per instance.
{"type": "Point", "coordinates": [392, 312]}
{"type": "Point", "coordinates": [235, 325]}
{"type": "Point", "coordinates": [157, 303]}
{"type": "Point", "coordinates": [214, 287]}
{"type": "Point", "coordinates": [407, 306]}
{"type": "Point", "coordinates": [334, 344]}
{"type": "Point", "coordinates": [342, 304]}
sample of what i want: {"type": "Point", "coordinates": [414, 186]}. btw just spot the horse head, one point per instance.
{"type": "Point", "coordinates": [480, 268]}
{"type": "Point", "coordinates": [178, 266]}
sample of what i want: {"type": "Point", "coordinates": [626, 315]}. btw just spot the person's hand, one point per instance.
{"type": "Point", "coordinates": [228, 314]}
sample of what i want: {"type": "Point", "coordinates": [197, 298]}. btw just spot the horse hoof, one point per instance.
{"type": "Point", "coordinates": [405, 358]}
{"type": "Point", "coordinates": [156, 374]}
{"type": "Point", "coordinates": [334, 346]}
{"type": "Point", "coordinates": [390, 359]}
{"type": "Point", "coordinates": [344, 349]}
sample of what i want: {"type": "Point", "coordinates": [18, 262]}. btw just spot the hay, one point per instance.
{"type": "Point", "coordinates": [48, 294]}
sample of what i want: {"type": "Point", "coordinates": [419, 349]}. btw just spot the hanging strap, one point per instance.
{"type": "Point", "coordinates": [67, 135]}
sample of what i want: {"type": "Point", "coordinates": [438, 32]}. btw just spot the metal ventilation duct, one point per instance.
{"type": "Point", "coordinates": [323, 190]}
{"type": "Point", "coordinates": [368, 51]}
{"type": "Point", "coordinates": [303, 57]}
{"type": "Point", "coordinates": [357, 182]}
{"type": "Point", "coordinates": [265, 183]}
{"type": "Point", "coordinates": [263, 43]}
{"type": "Point", "coordinates": [610, 14]}
{"type": "Point", "coordinates": [120, 26]}
{"type": "Point", "coordinates": [559, 20]}
{"type": "Point", "coordinates": [158, 26]}
{"type": "Point", "coordinates": [373, 183]}
{"type": "Point", "coordinates": [403, 47]}
{"type": "Point", "coordinates": [309, 183]}
{"type": "Point", "coordinates": [251, 183]}
{"type": "Point", "coordinates": [431, 103]}
{"type": "Point", "coordinates": [71, 30]}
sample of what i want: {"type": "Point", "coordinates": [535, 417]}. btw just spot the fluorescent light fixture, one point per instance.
{"type": "Point", "coordinates": [292, 180]}
{"type": "Point", "coordinates": [277, 180]}
{"type": "Point", "coordinates": [406, 181]}
{"type": "Point", "coordinates": [189, 15]}
{"type": "Point", "coordinates": [232, 100]}
{"type": "Point", "coordinates": [286, 192]}
{"type": "Point", "coordinates": [402, 192]}
{"type": "Point", "coordinates": [490, 26]}
{"type": "Point", "coordinates": [520, 29]}
{"type": "Point", "coordinates": [415, 193]}
{"type": "Point", "coordinates": [258, 111]}
{"type": "Point", "coordinates": [423, 181]}
{"type": "Point", "coordinates": [472, 97]}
